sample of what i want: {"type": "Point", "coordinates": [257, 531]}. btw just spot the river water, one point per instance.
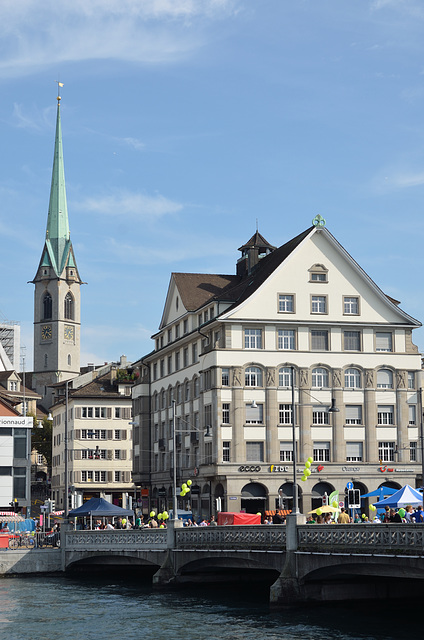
{"type": "Point", "coordinates": [62, 608]}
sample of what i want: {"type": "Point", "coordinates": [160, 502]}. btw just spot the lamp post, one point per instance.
{"type": "Point", "coordinates": [174, 471]}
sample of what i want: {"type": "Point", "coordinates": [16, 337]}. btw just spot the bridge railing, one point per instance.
{"type": "Point", "coordinates": [119, 540]}
{"type": "Point", "coordinates": [232, 537]}
{"type": "Point", "coordinates": [361, 538]}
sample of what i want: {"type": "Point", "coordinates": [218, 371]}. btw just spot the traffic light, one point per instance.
{"type": "Point", "coordinates": [52, 506]}
{"type": "Point", "coordinates": [354, 498]}
{"type": "Point", "coordinates": [15, 505]}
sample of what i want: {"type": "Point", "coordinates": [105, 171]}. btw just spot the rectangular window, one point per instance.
{"type": "Point", "coordinates": [412, 409]}
{"type": "Point", "coordinates": [319, 340]}
{"type": "Point", "coordinates": [320, 415]}
{"type": "Point", "coordinates": [194, 351]}
{"type": "Point", "coordinates": [177, 361]}
{"type": "Point", "coordinates": [155, 371]}
{"type": "Point", "coordinates": [318, 277]}
{"type": "Point", "coordinates": [385, 414]}
{"type": "Point", "coordinates": [117, 454]}
{"type": "Point", "coordinates": [351, 305]}
{"type": "Point", "coordinates": [383, 341]}
{"type": "Point", "coordinates": [286, 451]}
{"type": "Point", "coordinates": [352, 340]}
{"type": "Point", "coordinates": [254, 414]}
{"type": "Point", "coordinates": [169, 335]}
{"type": "Point", "coordinates": [117, 476]}
{"type": "Point", "coordinates": [162, 368]}
{"type": "Point", "coordinates": [117, 412]}
{"type": "Point", "coordinates": [185, 357]}
{"type": "Point", "coordinates": [225, 377]}
{"type": "Point", "coordinates": [117, 434]}
{"type": "Point", "coordinates": [411, 379]}
{"type": "Point", "coordinates": [254, 451]}
{"type": "Point", "coordinates": [253, 339]}
{"type": "Point", "coordinates": [169, 364]}
{"type": "Point", "coordinates": [226, 451]}
{"type": "Point", "coordinates": [226, 413]}
{"type": "Point", "coordinates": [285, 414]}
{"type": "Point", "coordinates": [185, 326]}
{"type": "Point", "coordinates": [321, 452]}
{"type": "Point", "coordinates": [177, 331]}
{"type": "Point", "coordinates": [353, 414]}
{"type": "Point", "coordinates": [100, 412]}
{"type": "Point", "coordinates": [20, 443]}
{"type": "Point", "coordinates": [413, 452]}
{"type": "Point", "coordinates": [386, 451]}
{"type": "Point", "coordinates": [286, 339]}
{"type": "Point", "coordinates": [285, 303]}
{"type": "Point", "coordinates": [354, 451]}
{"type": "Point", "coordinates": [318, 304]}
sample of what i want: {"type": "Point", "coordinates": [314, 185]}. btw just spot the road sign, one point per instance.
{"type": "Point", "coordinates": [349, 486]}
{"type": "Point", "coordinates": [341, 504]}
{"type": "Point", "coordinates": [354, 498]}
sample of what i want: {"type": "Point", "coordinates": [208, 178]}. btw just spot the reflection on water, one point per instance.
{"type": "Point", "coordinates": [90, 609]}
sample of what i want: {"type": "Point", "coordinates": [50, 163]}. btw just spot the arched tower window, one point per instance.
{"type": "Point", "coordinates": [47, 306]}
{"type": "Point", "coordinates": [46, 360]}
{"type": "Point", "coordinates": [69, 360]}
{"type": "Point", "coordinates": [69, 306]}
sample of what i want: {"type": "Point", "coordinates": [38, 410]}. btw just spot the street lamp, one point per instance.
{"type": "Point", "coordinates": [66, 452]}
{"type": "Point", "coordinates": [332, 409]}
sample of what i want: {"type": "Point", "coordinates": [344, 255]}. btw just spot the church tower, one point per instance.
{"type": "Point", "coordinates": [57, 291]}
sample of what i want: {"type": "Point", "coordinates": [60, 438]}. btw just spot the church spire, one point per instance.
{"type": "Point", "coordinates": [58, 242]}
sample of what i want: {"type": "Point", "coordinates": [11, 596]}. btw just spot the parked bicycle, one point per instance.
{"type": "Point", "coordinates": [25, 540]}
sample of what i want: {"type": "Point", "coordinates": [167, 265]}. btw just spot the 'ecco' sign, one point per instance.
{"type": "Point", "coordinates": [250, 468]}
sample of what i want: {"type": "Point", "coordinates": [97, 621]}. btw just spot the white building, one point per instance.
{"type": "Point", "coordinates": [224, 352]}
{"type": "Point", "coordinates": [99, 442]}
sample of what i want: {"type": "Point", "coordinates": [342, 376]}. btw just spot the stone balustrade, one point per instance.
{"type": "Point", "coordinates": [108, 540]}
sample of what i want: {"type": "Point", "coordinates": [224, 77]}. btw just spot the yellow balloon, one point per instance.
{"type": "Point", "coordinates": [307, 464]}
{"type": "Point", "coordinates": [335, 504]}
{"type": "Point", "coordinates": [161, 526]}
{"type": "Point", "coordinates": [160, 516]}
{"type": "Point", "coordinates": [318, 512]}
{"type": "Point", "coordinates": [372, 508]}
{"type": "Point", "coordinates": [152, 514]}
{"type": "Point", "coordinates": [310, 460]}
{"type": "Point", "coordinates": [303, 478]}
{"type": "Point", "coordinates": [165, 515]}
{"type": "Point", "coordinates": [189, 483]}
{"type": "Point", "coordinates": [183, 486]}
{"type": "Point", "coordinates": [307, 472]}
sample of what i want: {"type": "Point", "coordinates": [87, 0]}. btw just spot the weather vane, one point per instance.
{"type": "Point", "coordinates": [318, 221]}
{"type": "Point", "coordinates": [59, 85]}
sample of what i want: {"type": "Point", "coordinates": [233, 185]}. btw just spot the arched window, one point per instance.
{"type": "Point", "coordinates": [46, 360]}
{"type": "Point", "coordinates": [196, 387]}
{"type": "Point", "coordinates": [352, 378]}
{"type": "Point", "coordinates": [163, 399]}
{"type": "Point", "coordinates": [69, 360]}
{"type": "Point", "coordinates": [253, 377]}
{"type": "Point", "coordinates": [69, 306]}
{"type": "Point", "coordinates": [47, 306]}
{"type": "Point", "coordinates": [384, 379]}
{"type": "Point", "coordinates": [285, 377]}
{"type": "Point", "coordinates": [187, 392]}
{"type": "Point", "coordinates": [156, 402]}
{"type": "Point", "coordinates": [319, 377]}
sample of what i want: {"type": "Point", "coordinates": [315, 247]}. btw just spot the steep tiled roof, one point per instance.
{"type": "Point", "coordinates": [197, 289]}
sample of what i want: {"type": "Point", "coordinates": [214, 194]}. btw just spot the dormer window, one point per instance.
{"type": "Point", "coordinates": [13, 385]}
{"type": "Point", "coordinates": [318, 273]}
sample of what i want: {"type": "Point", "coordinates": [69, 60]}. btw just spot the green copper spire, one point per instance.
{"type": "Point", "coordinates": [58, 242]}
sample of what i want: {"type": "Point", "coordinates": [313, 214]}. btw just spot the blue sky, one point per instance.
{"type": "Point", "coordinates": [185, 121]}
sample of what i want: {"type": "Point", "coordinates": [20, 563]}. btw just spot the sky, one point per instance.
{"type": "Point", "coordinates": [185, 124]}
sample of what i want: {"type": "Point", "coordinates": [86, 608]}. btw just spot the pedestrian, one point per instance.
{"type": "Point", "coordinates": [418, 515]}
{"type": "Point", "coordinates": [213, 522]}
{"type": "Point", "coordinates": [343, 517]}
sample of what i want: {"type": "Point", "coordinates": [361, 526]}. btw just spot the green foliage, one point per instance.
{"type": "Point", "coordinates": [41, 437]}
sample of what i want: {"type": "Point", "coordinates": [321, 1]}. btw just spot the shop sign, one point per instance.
{"type": "Point", "coordinates": [351, 469]}
{"type": "Point", "coordinates": [274, 468]}
{"type": "Point", "coordinates": [250, 468]}
{"type": "Point", "coordinates": [393, 470]}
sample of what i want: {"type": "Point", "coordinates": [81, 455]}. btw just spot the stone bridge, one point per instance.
{"type": "Point", "coordinates": [297, 562]}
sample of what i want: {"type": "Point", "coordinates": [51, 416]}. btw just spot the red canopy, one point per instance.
{"type": "Point", "coordinates": [225, 517]}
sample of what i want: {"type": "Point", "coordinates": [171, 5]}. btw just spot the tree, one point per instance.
{"type": "Point", "coordinates": [41, 437]}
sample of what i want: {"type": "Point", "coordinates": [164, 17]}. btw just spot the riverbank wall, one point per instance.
{"type": "Point", "coordinates": [30, 561]}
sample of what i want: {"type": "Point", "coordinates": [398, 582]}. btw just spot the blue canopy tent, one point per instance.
{"type": "Point", "coordinates": [98, 508]}
{"type": "Point", "coordinates": [380, 493]}
{"type": "Point", "coordinates": [406, 495]}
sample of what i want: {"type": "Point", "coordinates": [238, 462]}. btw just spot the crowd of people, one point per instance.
{"type": "Point", "coordinates": [406, 515]}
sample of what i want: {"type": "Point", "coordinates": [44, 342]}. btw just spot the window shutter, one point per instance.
{"type": "Point", "coordinates": [286, 446]}
{"type": "Point", "coordinates": [123, 434]}
{"type": "Point", "coordinates": [77, 434]}
{"type": "Point", "coordinates": [126, 413]}
{"type": "Point", "coordinates": [77, 476]}
{"type": "Point", "coordinates": [109, 412]}
{"type": "Point", "coordinates": [127, 476]}
{"type": "Point", "coordinates": [109, 454]}
{"type": "Point", "coordinates": [109, 434]}
{"type": "Point", "coordinates": [353, 412]}
{"type": "Point", "coordinates": [383, 341]}
{"type": "Point", "coordinates": [123, 454]}
{"type": "Point", "coordinates": [110, 476]}
{"type": "Point", "coordinates": [77, 454]}
{"type": "Point", "coordinates": [384, 378]}
{"type": "Point", "coordinates": [353, 449]}
{"type": "Point", "coordinates": [77, 412]}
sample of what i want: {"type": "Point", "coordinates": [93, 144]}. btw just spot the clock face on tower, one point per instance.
{"type": "Point", "coordinates": [46, 332]}
{"type": "Point", "coordinates": [69, 332]}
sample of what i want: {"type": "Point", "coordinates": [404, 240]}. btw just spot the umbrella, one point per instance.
{"type": "Point", "coordinates": [406, 495]}
{"type": "Point", "coordinates": [325, 509]}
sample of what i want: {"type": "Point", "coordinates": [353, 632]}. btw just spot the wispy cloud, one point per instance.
{"type": "Point", "coordinates": [130, 204]}
{"type": "Point", "coordinates": [33, 119]}
{"type": "Point", "coordinates": [34, 35]}
{"type": "Point", "coordinates": [134, 143]}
